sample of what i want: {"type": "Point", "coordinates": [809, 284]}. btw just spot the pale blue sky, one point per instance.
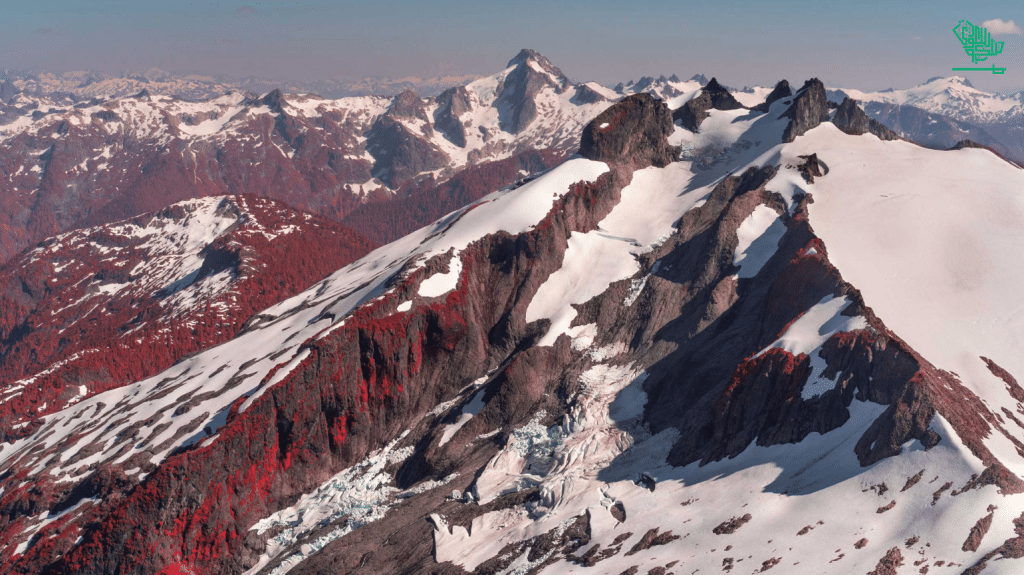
{"type": "Point", "coordinates": [870, 44]}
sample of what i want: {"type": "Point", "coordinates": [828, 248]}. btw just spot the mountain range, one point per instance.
{"type": "Point", "coordinates": [668, 328]}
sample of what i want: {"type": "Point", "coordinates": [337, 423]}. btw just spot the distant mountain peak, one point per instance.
{"type": "Point", "coordinates": [527, 54]}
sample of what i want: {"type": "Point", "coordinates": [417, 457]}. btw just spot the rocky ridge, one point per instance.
{"type": "Point", "coordinates": [492, 419]}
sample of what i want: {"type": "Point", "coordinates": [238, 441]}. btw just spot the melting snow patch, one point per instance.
{"type": "Point", "coordinates": [759, 237]}
{"type": "Point", "coordinates": [440, 284]}
{"type": "Point", "coordinates": [816, 325]}
{"type": "Point", "coordinates": [404, 306]}
{"type": "Point", "coordinates": [475, 405]}
{"type": "Point", "coordinates": [810, 331]}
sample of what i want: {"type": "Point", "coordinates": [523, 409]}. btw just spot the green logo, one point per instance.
{"type": "Point", "coordinates": [978, 44]}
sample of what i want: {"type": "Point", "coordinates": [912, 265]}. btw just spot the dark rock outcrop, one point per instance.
{"type": "Point", "coordinates": [713, 95]}
{"type": "Point", "coordinates": [409, 105]}
{"type": "Point", "coordinates": [851, 119]}
{"type": "Point", "coordinates": [810, 168]}
{"type": "Point", "coordinates": [700, 79]}
{"type": "Point", "coordinates": [635, 130]}
{"type": "Point", "coordinates": [8, 90]}
{"type": "Point", "coordinates": [967, 144]}
{"type": "Point", "coordinates": [587, 95]}
{"type": "Point", "coordinates": [808, 110]}
{"type": "Point", "coordinates": [973, 541]}
{"type": "Point", "coordinates": [889, 563]}
{"type": "Point", "coordinates": [451, 104]}
{"type": "Point", "coordinates": [781, 90]}
{"type": "Point", "coordinates": [400, 154]}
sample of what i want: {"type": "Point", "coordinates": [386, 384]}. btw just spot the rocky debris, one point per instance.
{"type": "Point", "coordinates": [938, 493]}
{"type": "Point", "coordinates": [730, 526]}
{"type": "Point", "coordinates": [1012, 548]}
{"type": "Point", "coordinates": [861, 543]}
{"type": "Point", "coordinates": [910, 542]}
{"type": "Point", "coordinates": [646, 481]}
{"type": "Point", "coordinates": [769, 563]}
{"type": "Point", "coordinates": [810, 168]}
{"type": "Point", "coordinates": [618, 511]}
{"type": "Point", "coordinates": [886, 507]}
{"type": "Point", "coordinates": [587, 95]}
{"type": "Point", "coordinates": [851, 119]}
{"type": "Point", "coordinates": [634, 130]}
{"type": "Point", "coordinates": [994, 474]}
{"type": "Point", "coordinates": [517, 90]}
{"type": "Point", "coordinates": [973, 541]}
{"type": "Point", "coordinates": [451, 105]}
{"type": "Point", "coordinates": [781, 90]}
{"type": "Point", "coordinates": [652, 539]}
{"type": "Point", "coordinates": [712, 96]}
{"type": "Point", "coordinates": [808, 110]}
{"type": "Point", "coordinates": [889, 563]}
{"type": "Point", "coordinates": [912, 481]}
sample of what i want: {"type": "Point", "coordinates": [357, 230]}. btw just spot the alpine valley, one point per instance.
{"type": "Point", "coordinates": [524, 326]}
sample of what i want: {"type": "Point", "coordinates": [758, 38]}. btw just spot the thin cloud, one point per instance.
{"type": "Point", "coordinates": [998, 26]}
{"type": "Point", "coordinates": [246, 9]}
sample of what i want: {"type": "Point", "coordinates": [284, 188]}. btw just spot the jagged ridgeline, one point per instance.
{"type": "Point", "coordinates": [630, 363]}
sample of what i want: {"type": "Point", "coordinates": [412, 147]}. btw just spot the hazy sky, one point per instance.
{"type": "Point", "coordinates": [868, 44]}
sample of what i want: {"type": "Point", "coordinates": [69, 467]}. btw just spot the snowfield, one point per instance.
{"type": "Point", "coordinates": [934, 240]}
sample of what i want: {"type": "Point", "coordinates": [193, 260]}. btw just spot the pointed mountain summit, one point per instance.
{"type": "Point", "coordinates": [623, 363]}
{"type": "Point", "coordinates": [531, 72]}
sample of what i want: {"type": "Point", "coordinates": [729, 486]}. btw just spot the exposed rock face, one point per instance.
{"type": "Point", "coordinates": [73, 162]}
{"type": "Point", "coordinates": [713, 95]}
{"type": "Point", "coordinates": [517, 91]}
{"type": "Point", "coordinates": [452, 104]}
{"type": "Point", "coordinates": [7, 90]}
{"type": "Point", "coordinates": [111, 282]}
{"type": "Point", "coordinates": [967, 144]}
{"type": "Point", "coordinates": [636, 129]}
{"type": "Point", "coordinates": [852, 120]}
{"type": "Point", "coordinates": [937, 131]}
{"type": "Point", "coordinates": [889, 564]}
{"type": "Point", "coordinates": [781, 90]}
{"type": "Point", "coordinates": [403, 368]}
{"type": "Point", "coordinates": [808, 110]}
{"type": "Point", "coordinates": [973, 541]}
{"type": "Point", "coordinates": [425, 204]}
{"type": "Point", "coordinates": [700, 79]}
{"type": "Point", "coordinates": [811, 168]}
{"type": "Point", "coordinates": [400, 153]}
{"type": "Point", "coordinates": [409, 105]}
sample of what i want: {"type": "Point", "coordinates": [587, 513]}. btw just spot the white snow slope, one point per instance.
{"type": "Point", "coordinates": [932, 238]}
